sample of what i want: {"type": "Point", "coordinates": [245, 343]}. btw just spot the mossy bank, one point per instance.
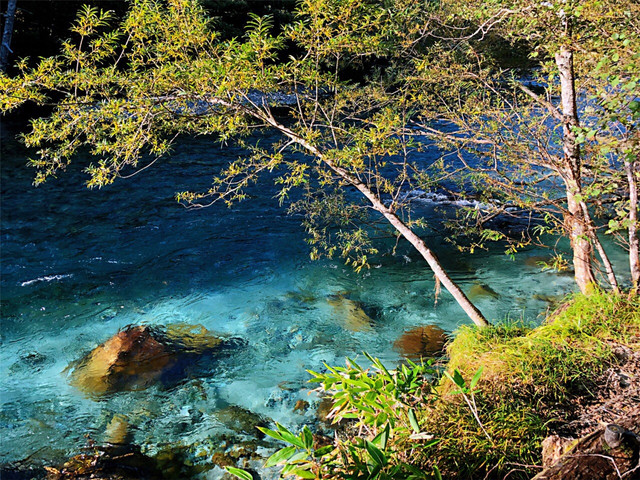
{"type": "Point", "coordinates": [535, 382]}
{"type": "Point", "coordinates": [485, 411]}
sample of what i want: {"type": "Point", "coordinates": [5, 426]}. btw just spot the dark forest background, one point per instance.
{"type": "Point", "coordinates": [41, 25]}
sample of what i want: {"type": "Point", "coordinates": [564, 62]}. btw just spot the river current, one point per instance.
{"type": "Point", "coordinates": [79, 264]}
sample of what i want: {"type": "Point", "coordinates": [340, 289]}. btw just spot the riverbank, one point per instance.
{"type": "Point", "coordinates": [505, 389]}
{"type": "Point", "coordinates": [568, 377]}
{"type": "Point", "coordinates": [506, 400]}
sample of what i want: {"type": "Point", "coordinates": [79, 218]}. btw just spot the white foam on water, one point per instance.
{"type": "Point", "coordinates": [46, 278]}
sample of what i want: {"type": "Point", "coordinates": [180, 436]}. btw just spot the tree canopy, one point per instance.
{"type": "Point", "coordinates": [127, 92]}
{"type": "Point", "coordinates": [127, 89]}
{"type": "Point", "coordinates": [559, 139]}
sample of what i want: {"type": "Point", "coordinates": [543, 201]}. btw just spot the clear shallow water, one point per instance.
{"type": "Point", "coordinates": [78, 265]}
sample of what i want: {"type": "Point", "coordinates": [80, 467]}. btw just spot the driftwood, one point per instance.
{"type": "Point", "coordinates": [609, 453]}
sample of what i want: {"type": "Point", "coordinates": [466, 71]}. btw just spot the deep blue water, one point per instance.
{"type": "Point", "coordinates": [79, 264]}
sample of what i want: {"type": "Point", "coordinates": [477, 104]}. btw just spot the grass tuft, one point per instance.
{"type": "Point", "coordinates": [529, 377]}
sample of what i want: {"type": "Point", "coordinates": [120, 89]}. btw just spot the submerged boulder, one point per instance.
{"type": "Point", "coordinates": [117, 431]}
{"type": "Point", "coordinates": [240, 420]}
{"type": "Point", "coordinates": [550, 299]}
{"type": "Point", "coordinates": [422, 341]}
{"type": "Point", "coordinates": [482, 290]}
{"type": "Point", "coordinates": [139, 356]}
{"type": "Point", "coordinates": [538, 261]}
{"type": "Point", "coordinates": [351, 313]}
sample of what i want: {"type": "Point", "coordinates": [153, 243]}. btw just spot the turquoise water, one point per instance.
{"type": "Point", "coordinates": [78, 265]}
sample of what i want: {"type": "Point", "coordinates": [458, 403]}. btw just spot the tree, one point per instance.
{"type": "Point", "coordinates": [130, 91]}
{"type": "Point", "coordinates": [560, 141]}
{"type": "Point", "coordinates": [5, 46]}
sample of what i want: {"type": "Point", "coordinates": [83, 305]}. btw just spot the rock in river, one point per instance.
{"type": "Point", "coordinates": [480, 290]}
{"type": "Point", "coordinates": [423, 341]}
{"type": "Point", "coordinates": [139, 356]}
{"type": "Point", "coordinates": [351, 313]}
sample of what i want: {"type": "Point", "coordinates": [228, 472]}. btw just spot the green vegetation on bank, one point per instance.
{"type": "Point", "coordinates": [530, 375]}
{"type": "Point", "coordinates": [503, 389]}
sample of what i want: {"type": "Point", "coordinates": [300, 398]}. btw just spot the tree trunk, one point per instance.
{"type": "Point", "coordinates": [575, 221]}
{"type": "Point", "coordinates": [608, 268]}
{"type": "Point", "coordinates": [5, 47]}
{"type": "Point", "coordinates": [634, 244]}
{"type": "Point", "coordinates": [580, 244]}
{"type": "Point", "coordinates": [469, 308]}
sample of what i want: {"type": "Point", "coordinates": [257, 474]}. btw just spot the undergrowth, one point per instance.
{"type": "Point", "coordinates": [529, 377]}
{"type": "Point", "coordinates": [483, 418]}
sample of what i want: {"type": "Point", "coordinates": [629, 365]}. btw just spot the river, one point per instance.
{"type": "Point", "coordinates": [79, 264]}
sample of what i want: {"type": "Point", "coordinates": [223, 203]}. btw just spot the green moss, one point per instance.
{"type": "Point", "coordinates": [566, 351]}
{"type": "Point", "coordinates": [491, 423]}
{"type": "Point", "coordinates": [529, 377]}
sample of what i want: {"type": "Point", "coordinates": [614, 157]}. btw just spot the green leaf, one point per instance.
{"type": "Point", "coordinates": [436, 473]}
{"type": "Point", "coordinates": [475, 378]}
{"type": "Point", "coordinates": [379, 365]}
{"type": "Point", "coordinates": [354, 364]}
{"type": "Point", "coordinates": [413, 420]}
{"type": "Point", "coordinates": [323, 451]}
{"type": "Point", "coordinates": [302, 473]}
{"type": "Point", "coordinates": [431, 443]}
{"type": "Point", "coordinates": [302, 455]}
{"type": "Point", "coordinates": [381, 418]}
{"type": "Point", "coordinates": [289, 437]}
{"type": "Point", "coordinates": [307, 438]}
{"type": "Point", "coordinates": [280, 456]}
{"type": "Point", "coordinates": [271, 433]}
{"type": "Point", "coordinates": [374, 473]}
{"type": "Point", "coordinates": [458, 379]}
{"type": "Point", "coordinates": [238, 472]}
{"type": "Point", "coordinates": [382, 438]}
{"type": "Point", "coordinates": [377, 456]}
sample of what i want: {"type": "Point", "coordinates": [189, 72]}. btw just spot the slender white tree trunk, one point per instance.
{"type": "Point", "coordinates": [634, 243]}
{"type": "Point", "coordinates": [575, 221]}
{"type": "Point", "coordinates": [608, 268]}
